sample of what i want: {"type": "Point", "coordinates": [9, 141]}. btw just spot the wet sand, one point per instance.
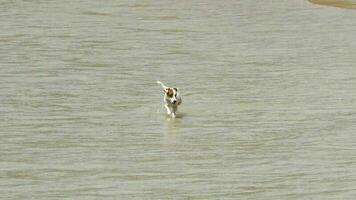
{"type": "Point", "coordinates": [336, 3]}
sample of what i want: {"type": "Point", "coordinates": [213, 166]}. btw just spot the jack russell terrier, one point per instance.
{"type": "Point", "coordinates": [171, 99]}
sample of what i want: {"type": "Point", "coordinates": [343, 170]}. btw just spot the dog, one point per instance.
{"type": "Point", "coordinates": [172, 99]}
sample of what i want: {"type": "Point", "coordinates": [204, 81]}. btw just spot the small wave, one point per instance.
{"type": "Point", "coordinates": [95, 13]}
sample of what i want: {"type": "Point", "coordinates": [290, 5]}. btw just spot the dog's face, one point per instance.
{"type": "Point", "coordinates": [172, 95]}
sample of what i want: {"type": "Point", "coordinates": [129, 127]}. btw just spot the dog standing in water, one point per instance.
{"type": "Point", "coordinates": [172, 99]}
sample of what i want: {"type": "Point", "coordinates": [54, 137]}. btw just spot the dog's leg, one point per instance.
{"type": "Point", "coordinates": [174, 110]}
{"type": "Point", "coordinates": [169, 111]}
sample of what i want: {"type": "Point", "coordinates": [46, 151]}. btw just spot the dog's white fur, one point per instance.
{"type": "Point", "coordinates": [172, 99]}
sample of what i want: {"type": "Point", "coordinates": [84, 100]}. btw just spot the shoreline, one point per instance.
{"type": "Point", "coordinates": [348, 4]}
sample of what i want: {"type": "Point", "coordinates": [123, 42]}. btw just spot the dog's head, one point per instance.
{"type": "Point", "coordinates": [173, 96]}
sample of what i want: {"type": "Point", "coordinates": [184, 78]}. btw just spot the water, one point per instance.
{"type": "Point", "coordinates": [268, 100]}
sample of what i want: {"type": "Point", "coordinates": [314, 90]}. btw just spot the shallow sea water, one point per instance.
{"type": "Point", "coordinates": [268, 100]}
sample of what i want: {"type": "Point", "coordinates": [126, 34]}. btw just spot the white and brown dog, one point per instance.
{"type": "Point", "coordinates": [171, 99]}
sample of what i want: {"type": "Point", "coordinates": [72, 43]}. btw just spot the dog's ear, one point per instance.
{"type": "Point", "coordinates": [176, 89]}
{"type": "Point", "coordinates": [170, 92]}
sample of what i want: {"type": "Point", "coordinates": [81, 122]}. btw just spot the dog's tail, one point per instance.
{"type": "Point", "coordinates": [163, 86]}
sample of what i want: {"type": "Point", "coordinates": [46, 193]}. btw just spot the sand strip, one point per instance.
{"type": "Point", "coordinates": [350, 4]}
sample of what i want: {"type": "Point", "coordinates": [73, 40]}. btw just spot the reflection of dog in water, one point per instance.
{"type": "Point", "coordinates": [171, 99]}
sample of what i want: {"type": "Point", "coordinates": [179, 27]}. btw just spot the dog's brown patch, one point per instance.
{"type": "Point", "coordinates": [170, 92]}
